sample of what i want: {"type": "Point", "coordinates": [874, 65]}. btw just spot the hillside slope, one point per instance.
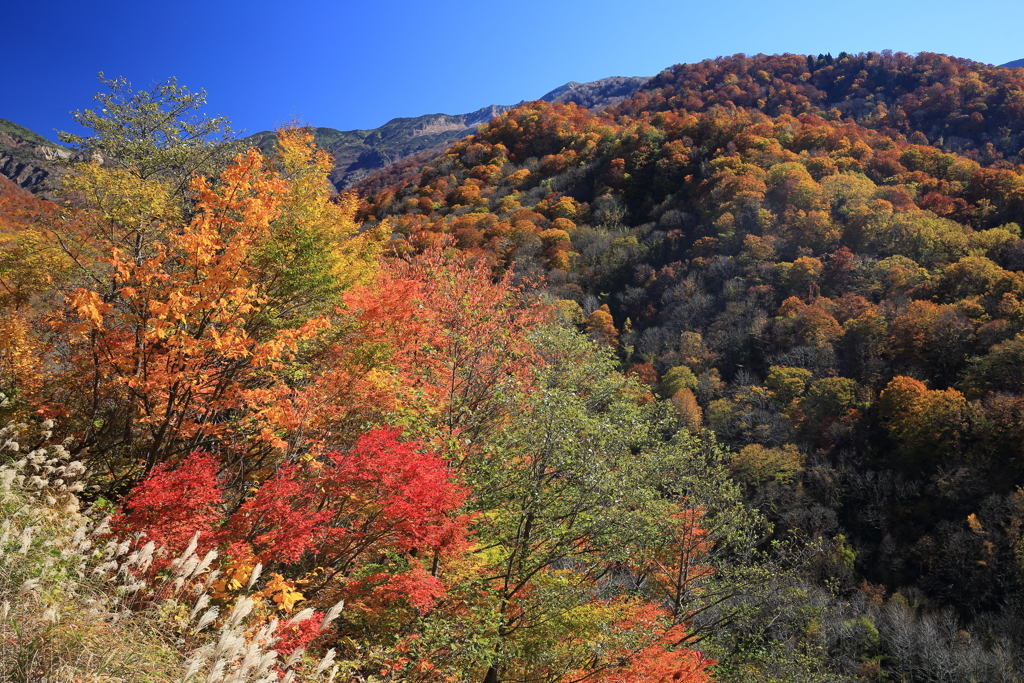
{"type": "Point", "coordinates": [820, 259]}
{"type": "Point", "coordinates": [359, 152]}
{"type": "Point", "coordinates": [28, 158]}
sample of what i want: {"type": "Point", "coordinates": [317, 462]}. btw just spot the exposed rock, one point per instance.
{"type": "Point", "coordinates": [27, 158]}
{"type": "Point", "coordinates": [357, 153]}
{"type": "Point", "coordinates": [34, 162]}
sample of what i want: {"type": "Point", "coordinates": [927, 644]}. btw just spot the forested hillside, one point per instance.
{"type": "Point", "coordinates": [816, 258]}
{"type": "Point", "coordinates": [357, 153]}
{"type": "Point", "coordinates": [725, 382]}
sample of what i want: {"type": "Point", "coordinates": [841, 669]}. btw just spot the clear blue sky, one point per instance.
{"type": "Point", "coordinates": [348, 64]}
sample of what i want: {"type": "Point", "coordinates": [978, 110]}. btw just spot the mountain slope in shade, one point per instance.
{"type": "Point", "coordinates": [28, 158]}
{"type": "Point", "coordinates": [1017, 63]}
{"type": "Point", "coordinates": [359, 152]}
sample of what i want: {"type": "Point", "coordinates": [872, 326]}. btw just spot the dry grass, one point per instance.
{"type": "Point", "coordinates": [75, 605]}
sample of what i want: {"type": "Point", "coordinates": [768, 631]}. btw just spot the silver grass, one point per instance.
{"type": "Point", "coordinates": [254, 576]}
{"type": "Point", "coordinates": [103, 569]}
{"type": "Point", "coordinates": [210, 578]}
{"type": "Point", "coordinates": [193, 667]}
{"type": "Point", "coordinates": [208, 617]}
{"type": "Point", "coordinates": [201, 604]}
{"type": "Point", "coordinates": [332, 614]}
{"type": "Point", "coordinates": [216, 671]}
{"type": "Point", "coordinates": [192, 545]}
{"type": "Point", "coordinates": [230, 644]}
{"type": "Point", "coordinates": [266, 634]}
{"type": "Point", "coordinates": [103, 528]}
{"type": "Point", "coordinates": [205, 564]}
{"type": "Point", "coordinates": [185, 570]}
{"type": "Point", "coordinates": [145, 558]}
{"type": "Point", "coordinates": [295, 657]}
{"type": "Point", "coordinates": [241, 610]}
{"type": "Point", "coordinates": [26, 539]}
{"type": "Point", "coordinates": [301, 616]}
{"type": "Point", "coordinates": [79, 536]}
{"type": "Point", "coordinates": [327, 660]}
{"type": "Point", "coordinates": [250, 659]}
{"type": "Point", "coordinates": [267, 660]}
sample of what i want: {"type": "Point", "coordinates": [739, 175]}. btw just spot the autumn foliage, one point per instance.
{"type": "Point", "coordinates": [480, 401]}
{"type": "Point", "coordinates": [384, 496]}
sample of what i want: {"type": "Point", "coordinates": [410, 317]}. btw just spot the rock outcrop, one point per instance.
{"type": "Point", "coordinates": [357, 153]}
{"type": "Point", "coordinates": [28, 159]}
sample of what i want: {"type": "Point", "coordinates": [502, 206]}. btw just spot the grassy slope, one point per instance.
{"type": "Point", "coordinates": [24, 133]}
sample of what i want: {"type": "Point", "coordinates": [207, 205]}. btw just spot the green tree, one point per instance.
{"type": "Point", "coordinates": [679, 377]}
{"type": "Point", "coordinates": [154, 133]}
{"type": "Point", "coordinates": [787, 384]}
{"type": "Point", "coordinates": [578, 495]}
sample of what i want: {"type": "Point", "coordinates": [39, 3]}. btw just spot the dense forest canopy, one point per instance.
{"type": "Point", "coordinates": [817, 258]}
{"type": "Point", "coordinates": [722, 382]}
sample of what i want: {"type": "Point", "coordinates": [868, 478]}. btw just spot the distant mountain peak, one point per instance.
{"type": "Point", "coordinates": [548, 97]}
{"type": "Point", "coordinates": [357, 153]}
{"type": "Point", "coordinates": [25, 156]}
{"type": "Point", "coordinates": [1017, 63]}
{"type": "Point", "coordinates": [596, 95]}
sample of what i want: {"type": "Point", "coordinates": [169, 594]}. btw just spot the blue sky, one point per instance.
{"type": "Point", "coordinates": [349, 64]}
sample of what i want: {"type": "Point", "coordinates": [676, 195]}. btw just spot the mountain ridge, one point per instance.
{"type": "Point", "coordinates": [31, 160]}
{"type": "Point", "coordinates": [357, 153]}
{"type": "Point", "coordinates": [27, 158]}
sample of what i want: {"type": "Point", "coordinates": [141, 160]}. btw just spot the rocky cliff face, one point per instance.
{"type": "Point", "coordinates": [28, 159]}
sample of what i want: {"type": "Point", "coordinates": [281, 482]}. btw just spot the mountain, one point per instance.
{"type": "Point", "coordinates": [595, 95]}
{"type": "Point", "coordinates": [359, 152]}
{"type": "Point", "coordinates": [816, 260]}
{"type": "Point", "coordinates": [821, 259]}
{"type": "Point", "coordinates": [28, 158]}
{"type": "Point", "coordinates": [1017, 63]}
